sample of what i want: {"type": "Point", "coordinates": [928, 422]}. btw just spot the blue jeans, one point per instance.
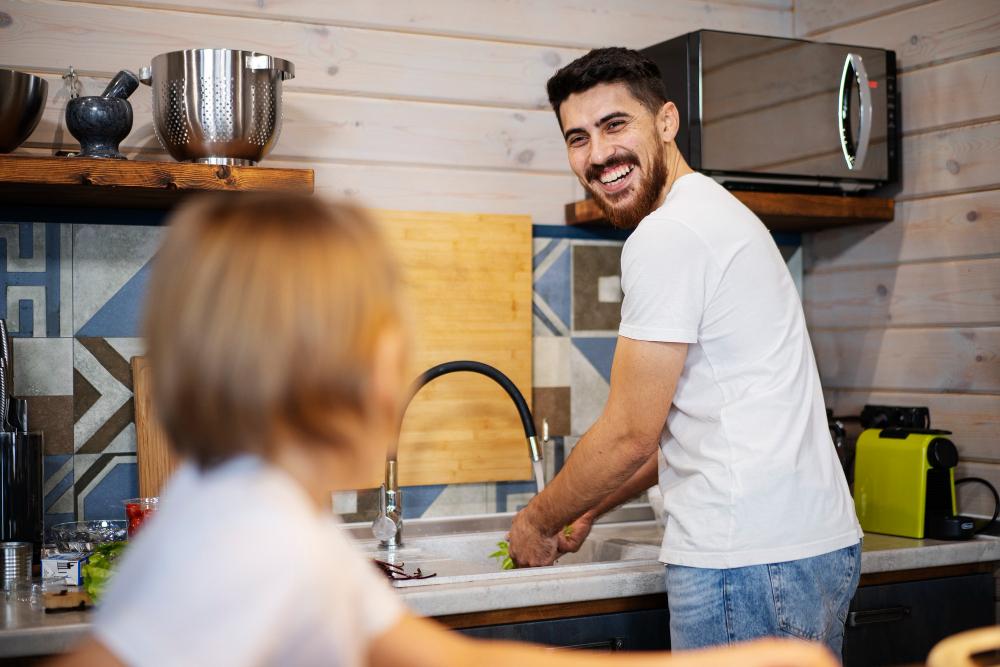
{"type": "Point", "coordinates": [806, 598]}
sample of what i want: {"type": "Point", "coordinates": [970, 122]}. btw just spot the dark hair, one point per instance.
{"type": "Point", "coordinates": [609, 65]}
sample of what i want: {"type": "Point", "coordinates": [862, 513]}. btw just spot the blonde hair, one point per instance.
{"type": "Point", "coordinates": [262, 321]}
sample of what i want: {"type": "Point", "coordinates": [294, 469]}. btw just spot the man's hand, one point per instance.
{"type": "Point", "coordinates": [529, 545]}
{"type": "Point", "coordinates": [572, 537]}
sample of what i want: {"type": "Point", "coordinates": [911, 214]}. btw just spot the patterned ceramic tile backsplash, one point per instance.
{"type": "Point", "coordinates": [73, 297]}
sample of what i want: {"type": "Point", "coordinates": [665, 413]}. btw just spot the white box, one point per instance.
{"type": "Point", "coordinates": [69, 566]}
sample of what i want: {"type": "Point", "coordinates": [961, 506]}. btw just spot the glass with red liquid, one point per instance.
{"type": "Point", "coordinates": [136, 512]}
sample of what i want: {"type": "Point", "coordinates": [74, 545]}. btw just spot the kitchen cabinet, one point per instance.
{"type": "Point", "coordinates": [898, 623]}
{"type": "Point", "coordinates": [888, 623]}
{"type": "Point", "coordinates": [646, 630]}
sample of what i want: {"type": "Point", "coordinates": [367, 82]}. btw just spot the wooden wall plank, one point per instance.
{"type": "Point", "coordinates": [97, 38]}
{"type": "Point", "coordinates": [961, 292]}
{"type": "Point", "coordinates": [957, 226]}
{"type": "Point", "coordinates": [812, 16]}
{"type": "Point", "coordinates": [571, 23]}
{"type": "Point", "coordinates": [948, 209]}
{"type": "Point", "coordinates": [333, 127]}
{"type": "Point", "coordinates": [962, 91]}
{"type": "Point", "coordinates": [926, 33]}
{"type": "Point", "coordinates": [945, 360]}
{"type": "Point", "coordinates": [973, 419]}
{"type": "Point", "coordinates": [541, 196]}
{"type": "Point", "coordinates": [951, 160]}
{"type": "Point", "coordinates": [962, 158]}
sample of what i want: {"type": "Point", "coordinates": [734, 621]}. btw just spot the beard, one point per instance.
{"type": "Point", "coordinates": [628, 214]}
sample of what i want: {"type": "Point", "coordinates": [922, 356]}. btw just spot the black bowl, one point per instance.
{"type": "Point", "coordinates": [22, 99]}
{"type": "Point", "coordinates": [99, 124]}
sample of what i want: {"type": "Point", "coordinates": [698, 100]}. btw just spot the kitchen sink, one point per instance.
{"type": "Point", "coordinates": [460, 556]}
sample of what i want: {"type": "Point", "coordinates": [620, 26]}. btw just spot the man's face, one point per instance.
{"type": "Point", "coordinates": [615, 150]}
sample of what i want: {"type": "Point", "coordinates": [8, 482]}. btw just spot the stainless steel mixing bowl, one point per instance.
{"type": "Point", "coordinates": [219, 106]}
{"type": "Point", "coordinates": [22, 99]}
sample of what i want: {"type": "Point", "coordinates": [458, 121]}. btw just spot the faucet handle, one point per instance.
{"type": "Point", "coordinates": [394, 505]}
{"type": "Point", "coordinates": [383, 528]}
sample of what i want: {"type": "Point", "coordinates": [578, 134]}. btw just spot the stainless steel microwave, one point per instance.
{"type": "Point", "coordinates": [773, 112]}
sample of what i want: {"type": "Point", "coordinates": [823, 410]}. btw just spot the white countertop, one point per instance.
{"type": "Point", "coordinates": [26, 630]}
{"type": "Point", "coordinates": [880, 553]}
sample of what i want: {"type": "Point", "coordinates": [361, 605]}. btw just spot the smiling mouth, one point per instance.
{"type": "Point", "coordinates": [616, 179]}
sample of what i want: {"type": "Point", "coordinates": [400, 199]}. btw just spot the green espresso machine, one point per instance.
{"type": "Point", "coordinates": [904, 484]}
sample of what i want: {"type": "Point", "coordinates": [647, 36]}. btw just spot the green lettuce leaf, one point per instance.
{"type": "Point", "coordinates": [100, 568]}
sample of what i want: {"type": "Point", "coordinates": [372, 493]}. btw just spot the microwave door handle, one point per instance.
{"type": "Point", "coordinates": [854, 156]}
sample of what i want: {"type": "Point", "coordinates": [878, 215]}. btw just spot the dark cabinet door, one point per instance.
{"type": "Point", "coordinates": [891, 624]}
{"type": "Point", "coordinates": [897, 624]}
{"type": "Point", "coordinates": [626, 631]}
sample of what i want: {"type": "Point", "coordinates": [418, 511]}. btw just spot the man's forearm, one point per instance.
{"type": "Point", "coordinates": [644, 377]}
{"type": "Point", "coordinates": [600, 470]}
{"type": "Point", "coordinates": [646, 476]}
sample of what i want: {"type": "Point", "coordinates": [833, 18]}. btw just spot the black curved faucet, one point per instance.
{"type": "Point", "coordinates": [393, 496]}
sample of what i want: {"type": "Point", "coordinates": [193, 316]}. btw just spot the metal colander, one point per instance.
{"type": "Point", "coordinates": [219, 106]}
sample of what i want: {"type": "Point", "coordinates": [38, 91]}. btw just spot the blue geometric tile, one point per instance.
{"type": "Point", "coordinates": [121, 315]}
{"type": "Point", "coordinates": [600, 352]}
{"type": "Point", "coordinates": [542, 249]}
{"type": "Point", "coordinates": [102, 482]}
{"type": "Point", "coordinates": [596, 287]}
{"type": "Point", "coordinates": [55, 519]}
{"type": "Point", "coordinates": [589, 391]}
{"type": "Point", "coordinates": [58, 489]}
{"type": "Point", "coordinates": [110, 269]}
{"type": "Point", "coordinates": [513, 496]}
{"type": "Point", "coordinates": [416, 499]}
{"type": "Point", "coordinates": [550, 328]}
{"type": "Point", "coordinates": [102, 395]}
{"type": "Point", "coordinates": [31, 261]}
{"type": "Point", "coordinates": [552, 285]}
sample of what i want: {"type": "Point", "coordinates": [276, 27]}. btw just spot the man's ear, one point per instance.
{"type": "Point", "coordinates": [668, 122]}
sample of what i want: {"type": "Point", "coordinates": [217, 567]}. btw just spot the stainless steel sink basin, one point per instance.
{"type": "Point", "coordinates": [459, 557]}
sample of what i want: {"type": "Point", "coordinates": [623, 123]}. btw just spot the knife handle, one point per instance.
{"type": "Point", "coordinates": [4, 342]}
{"type": "Point", "coordinates": [5, 379]}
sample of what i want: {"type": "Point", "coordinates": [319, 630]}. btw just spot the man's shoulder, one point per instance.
{"type": "Point", "coordinates": [707, 209]}
{"type": "Point", "coordinates": [696, 193]}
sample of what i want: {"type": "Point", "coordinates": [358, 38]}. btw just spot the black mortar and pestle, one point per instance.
{"type": "Point", "coordinates": [101, 123]}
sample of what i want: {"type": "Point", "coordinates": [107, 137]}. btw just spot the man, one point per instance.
{"type": "Point", "coordinates": [714, 388]}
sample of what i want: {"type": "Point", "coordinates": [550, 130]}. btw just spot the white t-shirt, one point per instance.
{"type": "Point", "coordinates": [748, 471]}
{"type": "Point", "coordinates": [239, 568]}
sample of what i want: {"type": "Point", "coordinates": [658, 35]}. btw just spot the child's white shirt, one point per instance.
{"type": "Point", "coordinates": [239, 568]}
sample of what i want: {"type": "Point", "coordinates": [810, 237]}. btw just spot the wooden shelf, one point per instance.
{"type": "Point", "coordinates": [30, 181]}
{"type": "Point", "coordinates": [780, 211]}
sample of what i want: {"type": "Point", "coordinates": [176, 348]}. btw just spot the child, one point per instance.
{"type": "Point", "coordinates": [278, 346]}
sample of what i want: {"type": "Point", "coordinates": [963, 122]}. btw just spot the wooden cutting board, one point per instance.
{"type": "Point", "coordinates": [152, 450]}
{"type": "Point", "coordinates": [468, 279]}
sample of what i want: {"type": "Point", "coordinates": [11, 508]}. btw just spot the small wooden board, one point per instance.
{"type": "Point", "coordinates": [154, 457]}
{"type": "Point", "coordinates": [71, 598]}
